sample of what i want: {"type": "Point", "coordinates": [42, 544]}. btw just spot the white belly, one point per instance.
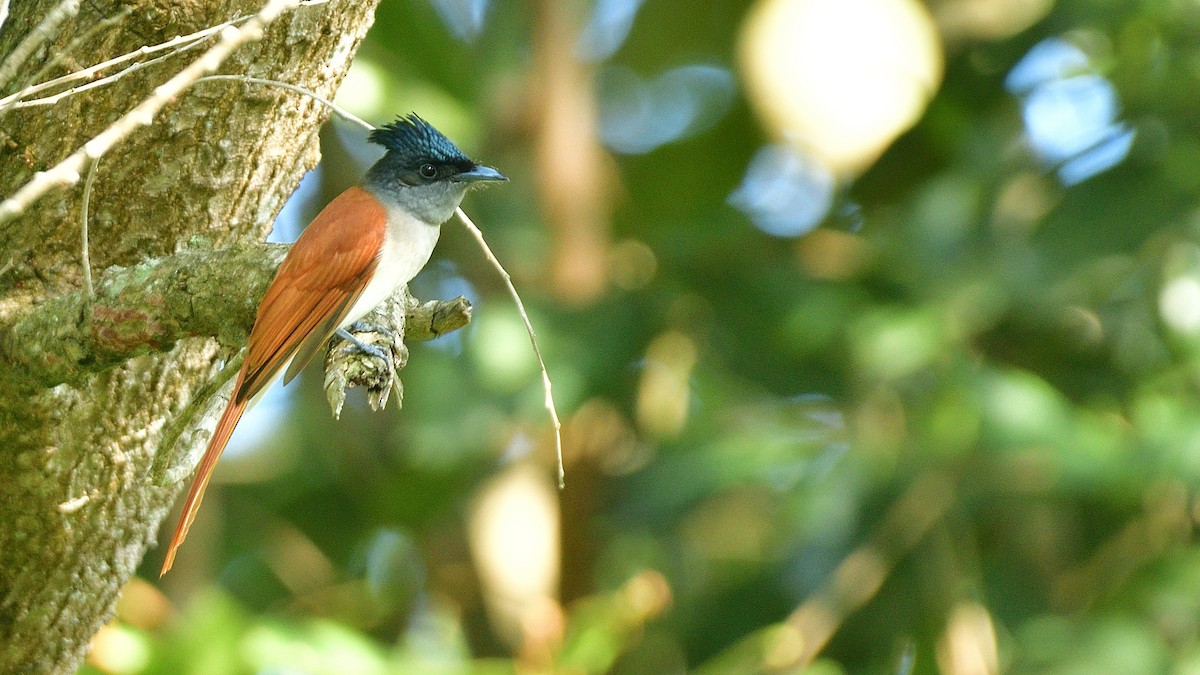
{"type": "Point", "coordinates": [407, 246]}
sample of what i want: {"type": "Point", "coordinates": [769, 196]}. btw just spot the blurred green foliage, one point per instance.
{"type": "Point", "coordinates": [977, 428]}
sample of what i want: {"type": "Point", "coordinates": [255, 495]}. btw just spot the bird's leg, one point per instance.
{"type": "Point", "coordinates": [373, 350]}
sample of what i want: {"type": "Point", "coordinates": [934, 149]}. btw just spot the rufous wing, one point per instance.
{"type": "Point", "coordinates": [323, 274]}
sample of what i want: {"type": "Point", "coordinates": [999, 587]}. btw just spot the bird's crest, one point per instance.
{"type": "Point", "coordinates": [413, 138]}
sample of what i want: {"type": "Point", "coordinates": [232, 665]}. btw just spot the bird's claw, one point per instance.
{"type": "Point", "coordinates": [360, 346]}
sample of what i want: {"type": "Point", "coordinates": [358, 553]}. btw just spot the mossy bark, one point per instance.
{"type": "Point", "coordinates": [90, 387]}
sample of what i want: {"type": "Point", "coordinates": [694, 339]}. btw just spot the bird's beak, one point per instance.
{"type": "Point", "coordinates": [479, 174]}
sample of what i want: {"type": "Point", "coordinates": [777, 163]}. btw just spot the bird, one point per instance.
{"type": "Point", "coordinates": [364, 245]}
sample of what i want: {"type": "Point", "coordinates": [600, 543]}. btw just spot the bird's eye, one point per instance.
{"type": "Point", "coordinates": [427, 170]}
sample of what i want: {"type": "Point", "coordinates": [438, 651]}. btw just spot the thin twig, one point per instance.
{"type": "Point", "coordinates": [299, 90]}
{"type": "Point", "coordinates": [87, 257]}
{"type": "Point", "coordinates": [102, 82]}
{"type": "Point", "coordinates": [67, 171]}
{"type": "Point", "coordinates": [91, 71]}
{"type": "Point", "coordinates": [37, 37]}
{"type": "Point", "coordinates": [172, 44]}
{"type": "Point", "coordinates": [512, 290]}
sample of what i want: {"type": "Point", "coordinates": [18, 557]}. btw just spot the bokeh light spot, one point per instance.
{"type": "Point", "coordinates": [892, 343]}
{"type": "Point", "coordinates": [500, 348]}
{"type": "Point", "coordinates": [1179, 303]}
{"type": "Point", "coordinates": [633, 264]}
{"type": "Point", "coordinates": [363, 90]}
{"type": "Point", "coordinates": [606, 29]}
{"type": "Point", "coordinates": [989, 19]}
{"type": "Point", "coordinates": [664, 392]}
{"type": "Point", "coordinates": [514, 540]}
{"type": "Point", "coordinates": [464, 18]}
{"type": "Point", "coordinates": [637, 116]}
{"type": "Point", "coordinates": [1070, 112]}
{"type": "Point", "coordinates": [785, 192]}
{"type": "Point", "coordinates": [841, 78]}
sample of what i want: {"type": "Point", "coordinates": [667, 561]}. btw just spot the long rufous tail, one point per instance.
{"type": "Point", "coordinates": [216, 445]}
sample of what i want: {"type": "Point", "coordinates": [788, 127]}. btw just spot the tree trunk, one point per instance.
{"type": "Point", "coordinates": [85, 477]}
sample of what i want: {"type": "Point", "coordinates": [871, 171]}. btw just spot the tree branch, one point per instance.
{"type": "Point", "coordinates": [149, 307]}
{"type": "Point", "coordinates": [401, 314]}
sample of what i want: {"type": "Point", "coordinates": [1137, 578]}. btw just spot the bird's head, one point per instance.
{"type": "Point", "coordinates": [423, 171]}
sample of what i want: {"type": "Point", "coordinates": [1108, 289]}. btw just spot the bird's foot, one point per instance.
{"type": "Point", "coordinates": [372, 350]}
